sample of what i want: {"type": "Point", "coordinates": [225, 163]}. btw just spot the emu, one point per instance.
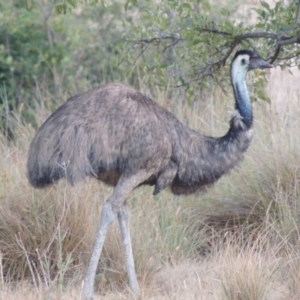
{"type": "Point", "coordinates": [123, 138]}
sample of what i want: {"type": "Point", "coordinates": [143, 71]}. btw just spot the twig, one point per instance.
{"type": "Point", "coordinates": [276, 53]}
{"type": "Point", "coordinates": [1, 270]}
{"type": "Point", "coordinates": [289, 41]}
{"type": "Point", "coordinates": [21, 244]}
{"type": "Point", "coordinates": [46, 278]}
{"type": "Point", "coordinates": [214, 31]}
{"type": "Point", "coordinates": [37, 273]}
{"type": "Point", "coordinates": [295, 22]}
{"type": "Point", "coordinates": [156, 39]}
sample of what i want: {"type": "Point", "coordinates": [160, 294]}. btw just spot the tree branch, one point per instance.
{"type": "Point", "coordinates": [289, 41]}
{"type": "Point", "coordinates": [275, 55]}
{"type": "Point", "coordinates": [228, 41]}
{"type": "Point", "coordinates": [295, 21]}
{"type": "Point", "coordinates": [279, 39]}
{"type": "Point", "coordinates": [157, 39]}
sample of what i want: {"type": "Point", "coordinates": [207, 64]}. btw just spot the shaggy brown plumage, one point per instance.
{"type": "Point", "coordinates": [122, 137]}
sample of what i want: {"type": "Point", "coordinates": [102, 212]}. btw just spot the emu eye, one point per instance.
{"type": "Point", "coordinates": [253, 59]}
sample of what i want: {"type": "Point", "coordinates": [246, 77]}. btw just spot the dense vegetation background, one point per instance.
{"type": "Point", "coordinates": [61, 48]}
{"type": "Point", "coordinates": [238, 241]}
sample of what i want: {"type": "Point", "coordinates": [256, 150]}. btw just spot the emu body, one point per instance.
{"type": "Point", "coordinates": [118, 135]}
{"type": "Point", "coordinates": [114, 130]}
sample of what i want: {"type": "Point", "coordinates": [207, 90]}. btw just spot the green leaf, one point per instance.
{"type": "Point", "coordinates": [164, 66]}
{"type": "Point", "coordinates": [72, 3]}
{"type": "Point", "coordinates": [196, 41]}
{"type": "Point", "coordinates": [185, 6]}
{"type": "Point", "coordinates": [133, 2]}
{"type": "Point", "coordinates": [277, 6]}
{"type": "Point", "coordinates": [61, 8]}
{"type": "Point", "coordinates": [259, 26]}
{"type": "Point", "coordinates": [28, 5]}
{"type": "Point", "coordinates": [260, 12]}
{"type": "Point", "coordinates": [265, 5]}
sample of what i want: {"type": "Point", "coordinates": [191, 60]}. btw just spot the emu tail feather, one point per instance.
{"type": "Point", "coordinates": [53, 155]}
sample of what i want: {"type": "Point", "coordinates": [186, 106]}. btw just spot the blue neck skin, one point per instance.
{"type": "Point", "coordinates": [242, 99]}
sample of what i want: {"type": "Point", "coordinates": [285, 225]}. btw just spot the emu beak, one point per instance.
{"type": "Point", "coordinates": [259, 63]}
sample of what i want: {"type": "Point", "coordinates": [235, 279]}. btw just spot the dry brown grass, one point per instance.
{"type": "Point", "coordinates": [238, 241]}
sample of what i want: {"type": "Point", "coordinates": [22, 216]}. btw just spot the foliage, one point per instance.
{"type": "Point", "coordinates": [64, 47]}
{"type": "Point", "coordinates": [187, 44]}
{"type": "Point", "coordinates": [43, 51]}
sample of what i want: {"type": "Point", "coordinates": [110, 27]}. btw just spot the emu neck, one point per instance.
{"type": "Point", "coordinates": [242, 100]}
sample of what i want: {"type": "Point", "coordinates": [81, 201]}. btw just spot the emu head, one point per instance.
{"type": "Point", "coordinates": [246, 60]}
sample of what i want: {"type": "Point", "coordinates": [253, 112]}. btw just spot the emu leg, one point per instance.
{"type": "Point", "coordinates": [107, 217]}
{"type": "Point", "coordinates": [110, 209]}
{"type": "Point", "coordinates": [124, 220]}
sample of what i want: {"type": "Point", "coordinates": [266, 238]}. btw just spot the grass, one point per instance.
{"type": "Point", "coordinates": [240, 240]}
